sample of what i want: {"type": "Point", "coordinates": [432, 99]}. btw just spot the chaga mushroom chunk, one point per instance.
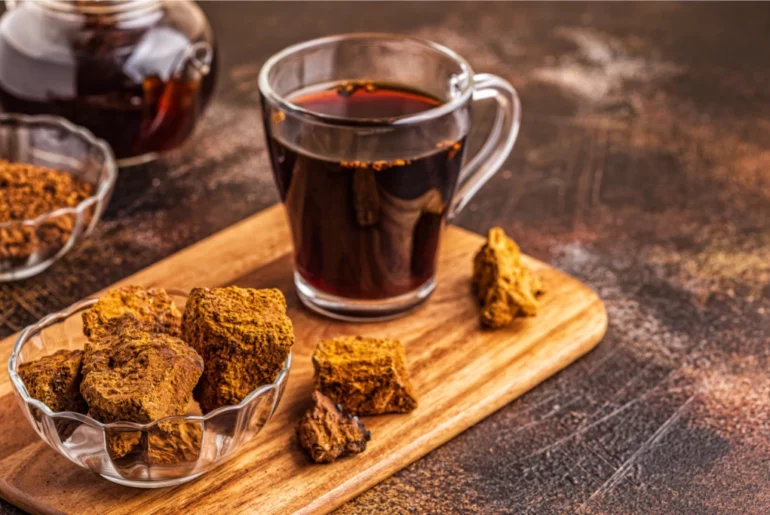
{"type": "Point", "coordinates": [504, 286]}
{"type": "Point", "coordinates": [366, 376]}
{"type": "Point", "coordinates": [153, 309]}
{"type": "Point", "coordinates": [55, 379]}
{"type": "Point", "coordinates": [136, 376]}
{"type": "Point", "coordinates": [173, 442]}
{"type": "Point", "coordinates": [326, 433]}
{"type": "Point", "coordinates": [244, 336]}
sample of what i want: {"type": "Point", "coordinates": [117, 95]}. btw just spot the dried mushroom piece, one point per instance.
{"type": "Point", "coordinates": [326, 433]}
{"type": "Point", "coordinates": [173, 442]}
{"type": "Point", "coordinates": [366, 376]}
{"type": "Point", "coordinates": [504, 286]}
{"type": "Point", "coordinates": [138, 376]}
{"type": "Point", "coordinates": [135, 376]}
{"type": "Point", "coordinates": [121, 443]}
{"type": "Point", "coordinates": [169, 443]}
{"type": "Point", "coordinates": [97, 346]}
{"type": "Point", "coordinates": [55, 380]}
{"type": "Point", "coordinates": [153, 309]}
{"type": "Point", "coordinates": [244, 336]}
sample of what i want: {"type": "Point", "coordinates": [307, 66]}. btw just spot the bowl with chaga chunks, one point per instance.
{"type": "Point", "coordinates": [152, 388]}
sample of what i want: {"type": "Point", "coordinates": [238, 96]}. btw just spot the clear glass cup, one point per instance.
{"type": "Point", "coordinates": [367, 198]}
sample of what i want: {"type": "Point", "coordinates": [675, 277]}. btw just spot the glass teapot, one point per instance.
{"type": "Point", "coordinates": [137, 73]}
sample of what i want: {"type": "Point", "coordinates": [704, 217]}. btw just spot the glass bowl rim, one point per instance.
{"type": "Point", "coordinates": [21, 389]}
{"type": "Point", "coordinates": [102, 189]}
{"type": "Point", "coordinates": [267, 90]}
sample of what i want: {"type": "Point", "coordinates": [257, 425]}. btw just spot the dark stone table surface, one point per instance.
{"type": "Point", "coordinates": [642, 168]}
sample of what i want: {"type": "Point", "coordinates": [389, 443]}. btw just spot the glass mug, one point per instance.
{"type": "Point", "coordinates": [367, 135]}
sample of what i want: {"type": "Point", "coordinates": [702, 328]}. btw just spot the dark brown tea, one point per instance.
{"type": "Point", "coordinates": [366, 230]}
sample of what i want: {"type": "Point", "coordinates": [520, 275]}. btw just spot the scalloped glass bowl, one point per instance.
{"type": "Point", "coordinates": [52, 142]}
{"type": "Point", "coordinates": [167, 452]}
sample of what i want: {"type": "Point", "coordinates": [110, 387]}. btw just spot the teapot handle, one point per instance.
{"type": "Point", "coordinates": [194, 63]}
{"type": "Point", "coordinates": [177, 97]}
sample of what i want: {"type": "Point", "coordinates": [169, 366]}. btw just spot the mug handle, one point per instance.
{"type": "Point", "coordinates": [495, 151]}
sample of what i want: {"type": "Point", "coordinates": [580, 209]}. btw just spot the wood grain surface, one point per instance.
{"type": "Point", "coordinates": [461, 372]}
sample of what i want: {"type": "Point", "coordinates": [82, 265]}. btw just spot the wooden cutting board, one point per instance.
{"type": "Point", "coordinates": [461, 372]}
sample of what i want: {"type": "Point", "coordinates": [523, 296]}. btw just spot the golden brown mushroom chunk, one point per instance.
{"type": "Point", "coordinates": [366, 376]}
{"type": "Point", "coordinates": [152, 308]}
{"type": "Point", "coordinates": [244, 336]}
{"type": "Point", "coordinates": [502, 283]}
{"type": "Point", "coordinates": [174, 442]}
{"type": "Point", "coordinates": [55, 379]}
{"type": "Point", "coordinates": [326, 433]}
{"type": "Point", "coordinates": [136, 376]}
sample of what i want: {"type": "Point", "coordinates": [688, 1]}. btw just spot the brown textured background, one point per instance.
{"type": "Point", "coordinates": [642, 168]}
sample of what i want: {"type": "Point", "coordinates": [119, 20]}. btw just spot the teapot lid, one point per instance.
{"type": "Point", "coordinates": [100, 7]}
